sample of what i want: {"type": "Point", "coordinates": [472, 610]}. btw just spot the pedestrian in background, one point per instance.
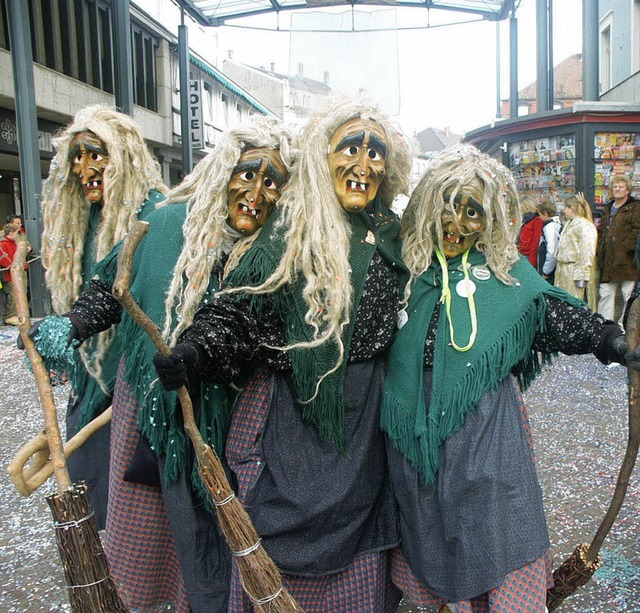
{"type": "Point", "coordinates": [531, 229]}
{"type": "Point", "coordinates": [8, 247]}
{"type": "Point", "coordinates": [576, 253]}
{"type": "Point", "coordinates": [551, 228]}
{"type": "Point", "coordinates": [617, 238]}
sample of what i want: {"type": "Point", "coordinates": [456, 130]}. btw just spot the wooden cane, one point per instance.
{"type": "Point", "coordinates": [261, 579]}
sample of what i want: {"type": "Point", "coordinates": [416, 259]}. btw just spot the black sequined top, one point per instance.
{"type": "Point", "coordinates": [233, 338]}
{"type": "Point", "coordinates": [570, 330]}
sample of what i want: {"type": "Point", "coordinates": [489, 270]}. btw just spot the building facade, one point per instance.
{"type": "Point", "coordinates": [74, 67]}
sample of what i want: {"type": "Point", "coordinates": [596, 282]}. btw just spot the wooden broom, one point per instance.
{"type": "Point", "coordinates": [578, 568]}
{"type": "Point", "coordinates": [261, 578]}
{"type": "Point", "coordinates": [89, 582]}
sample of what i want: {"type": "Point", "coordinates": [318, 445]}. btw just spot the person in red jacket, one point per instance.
{"type": "Point", "coordinates": [8, 246]}
{"type": "Point", "coordinates": [530, 231]}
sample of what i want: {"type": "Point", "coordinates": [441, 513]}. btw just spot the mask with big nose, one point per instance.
{"type": "Point", "coordinates": [462, 219]}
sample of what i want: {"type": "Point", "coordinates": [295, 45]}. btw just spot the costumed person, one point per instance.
{"type": "Point", "coordinates": [101, 180]}
{"type": "Point", "coordinates": [478, 320]}
{"type": "Point", "coordinates": [529, 236]}
{"type": "Point", "coordinates": [576, 252]}
{"type": "Point", "coordinates": [313, 311]}
{"type": "Point", "coordinates": [163, 544]}
{"type": "Point", "coordinates": [618, 234]}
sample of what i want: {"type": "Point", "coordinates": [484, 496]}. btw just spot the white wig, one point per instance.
{"type": "Point", "coordinates": [206, 230]}
{"type": "Point", "coordinates": [318, 231]}
{"type": "Point", "coordinates": [132, 171]}
{"type": "Point", "coordinates": [448, 174]}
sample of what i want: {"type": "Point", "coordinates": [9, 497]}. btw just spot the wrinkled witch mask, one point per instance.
{"type": "Point", "coordinates": [463, 219]}
{"type": "Point", "coordinates": [254, 188]}
{"type": "Point", "coordinates": [89, 158]}
{"type": "Point", "coordinates": [357, 162]}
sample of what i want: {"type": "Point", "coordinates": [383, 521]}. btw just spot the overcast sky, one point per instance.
{"type": "Point", "coordinates": [441, 76]}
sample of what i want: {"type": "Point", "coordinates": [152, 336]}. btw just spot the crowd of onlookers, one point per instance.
{"type": "Point", "coordinates": [591, 263]}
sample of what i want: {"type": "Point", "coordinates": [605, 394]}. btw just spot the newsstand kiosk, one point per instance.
{"type": "Point", "coordinates": [557, 153]}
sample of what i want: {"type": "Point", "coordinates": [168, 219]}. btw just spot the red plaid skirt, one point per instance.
{"type": "Point", "coordinates": [364, 586]}
{"type": "Point", "coordinates": [139, 543]}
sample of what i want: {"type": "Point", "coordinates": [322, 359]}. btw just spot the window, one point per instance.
{"type": "Point", "coordinates": [75, 37]}
{"type": "Point", "coordinates": [144, 48]}
{"type": "Point", "coordinates": [605, 53]}
{"type": "Point", "coordinates": [635, 36]}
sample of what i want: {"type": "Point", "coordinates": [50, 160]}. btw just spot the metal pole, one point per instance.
{"type": "Point", "coordinates": [590, 50]}
{"type": "Point", "coordinates": [542, 55]}
{"type": "Point", "coordinates": [550, 59]}
{"type": "Point", "coordinates": [498, 77]}
{"type": "Point", "coordinates": [27, 123]}
{"type": "Point", "coordinates": [122, 53]}
{"type": "Point", "coordinates": [183, 68]}
{"type": "Point", "coordinates": [513, 66]}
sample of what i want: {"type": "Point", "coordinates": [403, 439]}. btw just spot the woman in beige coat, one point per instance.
{"type": "Point", "coordinates": [576, 251]}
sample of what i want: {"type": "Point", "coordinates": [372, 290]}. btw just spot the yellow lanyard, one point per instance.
{"type": "Point", "coordinates": [446, 298]}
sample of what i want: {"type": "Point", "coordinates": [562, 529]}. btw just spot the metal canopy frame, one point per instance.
{"type": "Point", "coordinates": [221, 12]}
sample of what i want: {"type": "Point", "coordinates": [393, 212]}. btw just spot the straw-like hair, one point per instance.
{"type": "Point", "coordinates": [205, 230]}
{"type": "Point", "coordinates": [132, 171]}
{"type": "Point", "coordinates": [317, 231]}
{"type": "Point", "coordinates": [450, 172]}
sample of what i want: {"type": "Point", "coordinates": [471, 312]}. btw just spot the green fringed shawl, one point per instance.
{"type": "Point", "coordinates": [326, 410]}
{"type": "Point", "coordinates": [508, 318]}
{"type": "Point", "coordinates": [87, 390]}
{"type": "Point", "coordinates": [159, 417]}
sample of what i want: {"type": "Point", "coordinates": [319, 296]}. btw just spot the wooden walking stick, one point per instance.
{"type": "Point", "coordinates": [89, 582]}
{"type": "Point", "coordinates": [32, 465]}
{"type": "Point", "coordinates": [261, 578]}
{"type": "Point", "coordinates": [576, 570]}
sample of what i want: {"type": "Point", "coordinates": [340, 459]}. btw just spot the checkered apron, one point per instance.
{"type": "Point", "coordinates": [364, 586]}
{"type": "Point", "coordinates": [139, 543]}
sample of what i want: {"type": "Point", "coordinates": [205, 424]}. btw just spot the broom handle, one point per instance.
{"type": "Point", "coordinates": [123, 295]}
{"type": "Point", "coordinates": [633, 334]}
{"type": "Point", "coordinates": [40, 372]}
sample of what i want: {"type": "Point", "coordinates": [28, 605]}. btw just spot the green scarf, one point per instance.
{"type": "Point", "coordinates": [508, 318]}
{"type": "Point", "coordinates": [159, 417]}
{"type": "Point", "coordinates": [93, 400]}
{"type": "Point", "coordinates": [326, 411]}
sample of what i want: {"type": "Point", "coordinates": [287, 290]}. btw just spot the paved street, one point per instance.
{"type": "Point", "coordinates": [578, 411]}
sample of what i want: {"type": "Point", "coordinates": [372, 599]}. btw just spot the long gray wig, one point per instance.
{"type": "Point", "coordinates": [132, 171]}
{"type": "Point", "coordinates": [449, 173]}
{"type": "Point", "coordinates": [317, 227]}
{"type": "Point", "coordinates": [206, 232]}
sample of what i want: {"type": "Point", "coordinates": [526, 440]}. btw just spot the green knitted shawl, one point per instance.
{"type": "Point", "coordinates": [326, 411]}
{"type": "Point", "coordinates": [87, 390]}
{"type": "Point", "coordinates": [159, 415]}
{"type": "Point", "coordinates": [508, 318]}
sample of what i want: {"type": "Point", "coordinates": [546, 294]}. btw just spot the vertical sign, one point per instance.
{"type": "Point", "coordinates": [196, 123]}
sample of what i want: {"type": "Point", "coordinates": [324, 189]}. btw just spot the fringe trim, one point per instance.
{"type": "Point", "coordinates": [421, 443]}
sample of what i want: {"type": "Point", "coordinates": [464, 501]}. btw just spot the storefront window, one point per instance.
{"type": "Point", "coordinates": [545, 167]}
{"type": "Point", "coordinates": [615, 153]}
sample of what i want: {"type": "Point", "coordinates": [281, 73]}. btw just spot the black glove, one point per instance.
{"type": "Point", "coordinates": [74, 334]}
{"type": "Point", "coordinates": [173, 370]}
{"type": "Point", "coordinates": [620, 353]}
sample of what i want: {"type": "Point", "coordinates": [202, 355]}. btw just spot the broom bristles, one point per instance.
{"type": "Point", "coordinates": [261, 579]}
{"type": "Point", "coordinates": [571, 575]}
{"type": "Point", "coordinates": [89, 582]}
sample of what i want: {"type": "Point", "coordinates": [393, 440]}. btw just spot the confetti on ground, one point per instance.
{"type": "Point", "coordinates": [578, 411]}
